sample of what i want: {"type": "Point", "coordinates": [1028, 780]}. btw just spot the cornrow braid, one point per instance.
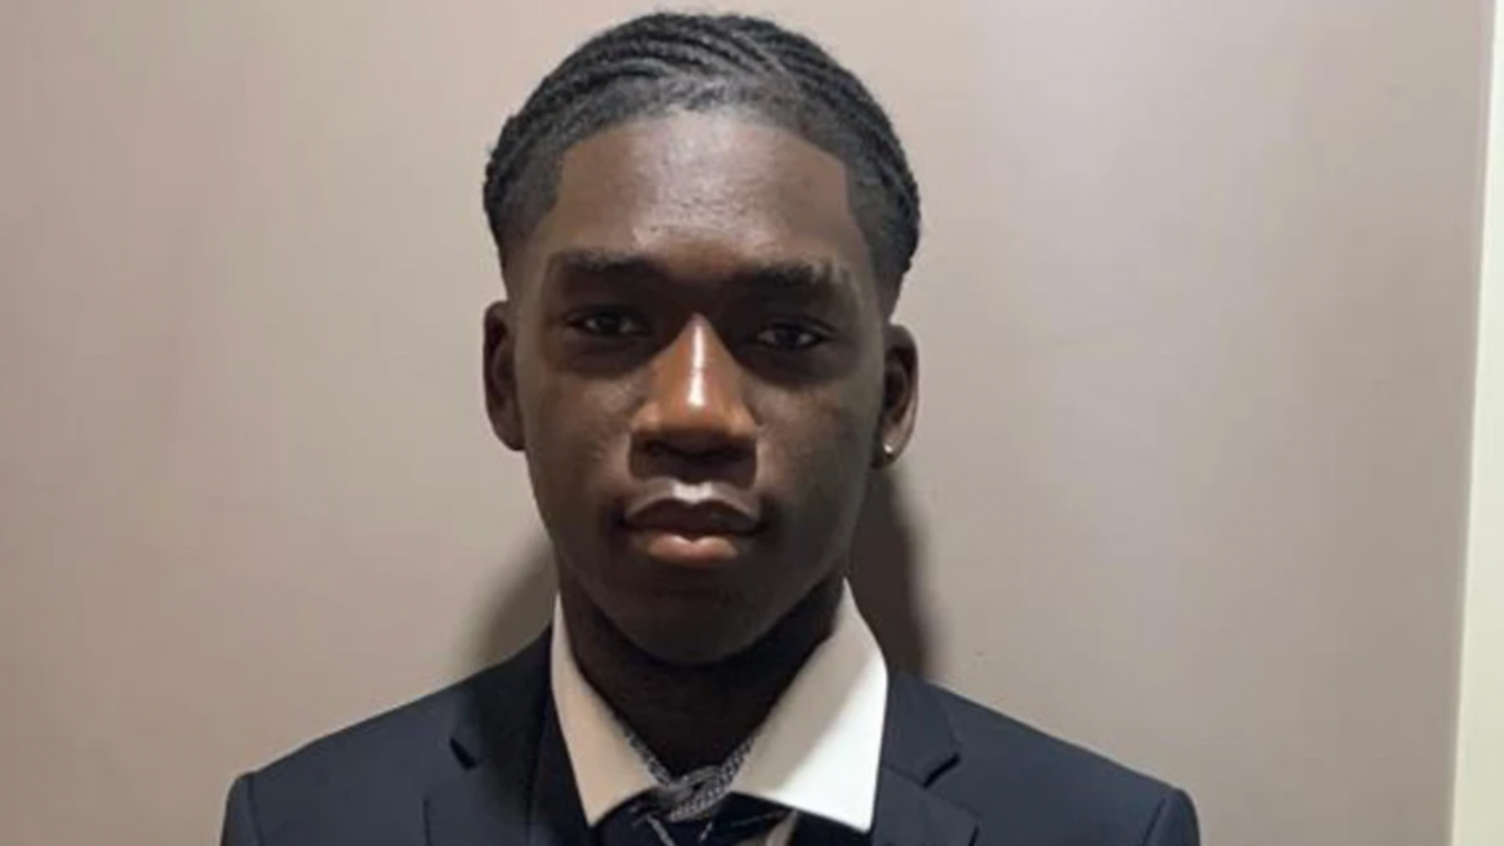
{"type": "Point", "coordinates": [664, 61]}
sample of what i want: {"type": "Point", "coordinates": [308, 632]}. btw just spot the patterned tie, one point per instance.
{"type": "Point", "coordinates": [642, 823]}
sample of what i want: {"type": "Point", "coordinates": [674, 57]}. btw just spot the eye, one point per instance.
{"type": "Point", "coordinates": [789, 337]}
{"type": "Point", "coordinates": [609, 323]}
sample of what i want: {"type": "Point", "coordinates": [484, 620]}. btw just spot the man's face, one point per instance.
{"type": "Point", "coordinates": [697, 363]}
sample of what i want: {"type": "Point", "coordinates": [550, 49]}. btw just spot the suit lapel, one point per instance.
{"type": "Point", "coordinates": [516, 787]}
{"type": "Point", "coordinates": [479, 807]}
{"type": "Point", "coordinates": [918, 746]}
{"type": "Point", "coordinates": [557, 818]}
{"type": "Point", "coordinates": [909, 815]}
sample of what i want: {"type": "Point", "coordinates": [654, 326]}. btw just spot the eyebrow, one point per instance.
{"type": "Point", "coordinates": [589, 262]}
{"type": "Point", "coordinates": [796, 278]}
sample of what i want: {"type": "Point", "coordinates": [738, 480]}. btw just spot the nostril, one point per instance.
{"type": "Point", "coordinates": [700, 452]}
{"type": "Point", "coordinates": [694, 458]}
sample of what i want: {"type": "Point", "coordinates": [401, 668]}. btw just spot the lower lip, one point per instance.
{"type": "Point", "coordinates": [687, 551]}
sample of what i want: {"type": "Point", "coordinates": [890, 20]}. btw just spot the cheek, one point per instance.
{"type": "Point", "coordinates": [824, 447]}
{"type": "Point", "coordinates": [831, 424]}
{"type": "Point", "coordinates": [575, 429]}
{"type": "Point", "coordinates": [827, 435]}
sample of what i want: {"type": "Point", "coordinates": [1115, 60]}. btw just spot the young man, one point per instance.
{"type": "Point", "coordinates": [703, 225]}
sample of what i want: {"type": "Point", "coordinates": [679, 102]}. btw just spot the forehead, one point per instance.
{"type": "Point", "coordinates": [702, 193]}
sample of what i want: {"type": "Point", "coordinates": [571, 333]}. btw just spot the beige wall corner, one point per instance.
{"type": "Point", "coordinates": [1478, 812]}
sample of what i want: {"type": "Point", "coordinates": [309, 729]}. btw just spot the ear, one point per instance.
{"type": "Point", "coordinates": [500, 371]}
{"type": "Point", "coordinates": [900, 396]}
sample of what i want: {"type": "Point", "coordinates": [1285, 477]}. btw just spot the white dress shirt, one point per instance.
{"type": "Point", "coordinates": [817, 753]}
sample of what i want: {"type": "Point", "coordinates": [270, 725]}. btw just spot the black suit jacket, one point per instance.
{"type": "Point", "coordinates": [482, 763]}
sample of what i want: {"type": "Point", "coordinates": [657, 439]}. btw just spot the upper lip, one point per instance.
{"type": "Point", "coordinates": [702, 508]}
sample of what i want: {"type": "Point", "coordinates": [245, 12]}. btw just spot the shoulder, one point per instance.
{"type": "Point", "coordinates": [407, 745]}
{"type": "Point", "coordinates": [376, 772]}
{"type": "Point", "coordinates": [1021, 779]}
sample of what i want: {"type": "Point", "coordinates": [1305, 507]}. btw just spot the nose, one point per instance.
{"type": "Point", "coordinates": [695, 408]}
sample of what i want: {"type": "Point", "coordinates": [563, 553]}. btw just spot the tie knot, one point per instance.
{"type": "Point", "coordinates": [735, 820]}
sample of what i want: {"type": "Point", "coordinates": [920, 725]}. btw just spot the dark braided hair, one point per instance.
{"type": "Point", "coordinates": [696, 62]}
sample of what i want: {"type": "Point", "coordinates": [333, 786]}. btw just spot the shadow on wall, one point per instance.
{"type": "Point", "coordinates": [882, 579]}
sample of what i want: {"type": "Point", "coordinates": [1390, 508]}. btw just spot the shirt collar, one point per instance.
{"type": "Point", "coordinates": [818, 751]}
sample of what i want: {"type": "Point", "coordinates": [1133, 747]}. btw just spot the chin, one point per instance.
{"type": "Point", "coordinates": [688, 632]}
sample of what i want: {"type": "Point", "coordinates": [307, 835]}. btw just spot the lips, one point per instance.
{"type": "Point", "coordinates": [705, 508]}
{"type": "Point", "coordinates": [698, 524]}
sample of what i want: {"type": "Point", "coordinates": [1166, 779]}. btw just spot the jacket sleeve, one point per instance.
{"type": "Point", "coordinates": [240, 816]}
{"type": "Point", "coordinates": [1174, 823]}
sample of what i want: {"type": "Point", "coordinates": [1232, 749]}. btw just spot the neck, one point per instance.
{"type": "Point", "coordinates": [695, 716]}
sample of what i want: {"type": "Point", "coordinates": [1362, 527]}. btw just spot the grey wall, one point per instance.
{"type": "Point", "coordinates": [1196, 315]}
